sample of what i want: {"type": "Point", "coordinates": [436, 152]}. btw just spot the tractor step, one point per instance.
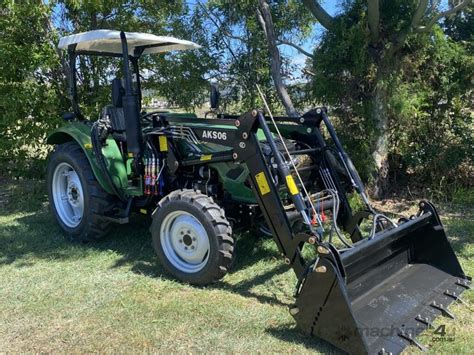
{"type": "Point", "coordinates": [121, 216]}
{"type": "Point", "coordinates": [116, 219]}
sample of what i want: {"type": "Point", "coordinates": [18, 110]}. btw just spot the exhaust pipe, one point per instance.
{"type": "Point", "coordinates": [131, 112]}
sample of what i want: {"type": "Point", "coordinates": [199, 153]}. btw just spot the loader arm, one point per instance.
{"type": "Point", "coordinates": [240, 134]}
{"type": "Point", "coordinates": [376, 295]}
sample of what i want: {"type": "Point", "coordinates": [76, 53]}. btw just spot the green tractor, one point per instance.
{"type": "Point", "coordinates": [202, 179]}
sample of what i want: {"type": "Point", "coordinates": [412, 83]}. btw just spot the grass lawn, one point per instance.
{"type": "Point", "coordinates": [58, 295]}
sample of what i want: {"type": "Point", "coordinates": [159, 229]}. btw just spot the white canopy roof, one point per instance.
{"type": "Point", "coordinates": [109, 42]}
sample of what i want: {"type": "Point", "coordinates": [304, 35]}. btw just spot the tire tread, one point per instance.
{"type": "Point", "coordinates": [101, 202]}
{"type": "Point", "coordinates": [222, 228]}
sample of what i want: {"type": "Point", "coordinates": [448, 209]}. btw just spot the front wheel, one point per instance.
{"type": "Point", "coordinates": [192, 237]}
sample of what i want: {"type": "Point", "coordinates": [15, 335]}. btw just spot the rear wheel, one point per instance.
{"type": "Point", "coordinates": [76, 199]}
{"type": "Point", "coordinates": [192, 237]}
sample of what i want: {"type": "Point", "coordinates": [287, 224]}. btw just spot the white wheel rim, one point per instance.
{"type": "Point", "coordinates": [68, 195]}
{"type": "Point", "coordinates": [184, 241]}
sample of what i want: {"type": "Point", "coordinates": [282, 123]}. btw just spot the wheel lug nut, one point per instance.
{"type": "Point", "coordinates": [182, 232]}
{"type": "Point", "coordinates": [180, 240]}
{"type": "Point", "coordinates": [185, 248]}
{"type": "Point", "coordinates": [194, 239]}
{"type": "Point", "coordinates": [192, 247]}
{"type": "Point", "coordinates": [188, 231]}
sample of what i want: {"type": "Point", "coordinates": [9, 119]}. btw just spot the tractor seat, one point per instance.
{"type": "Point", "coordinates": [116, 117]}
{"type": "Point", "coordinates": [115, 111]}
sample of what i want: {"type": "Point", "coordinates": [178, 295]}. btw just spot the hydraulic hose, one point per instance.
{"type": "Point", "coordinates": [284, 171]}
{"type": "Point", "coordinates": [354, 176]}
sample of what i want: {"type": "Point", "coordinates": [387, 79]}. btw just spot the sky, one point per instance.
{"type": "Point", "coordinates": [298, 59]}
{"type": "Point", "coordinates": [332, 7]}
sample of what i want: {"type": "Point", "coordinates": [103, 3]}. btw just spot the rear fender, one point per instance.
{"type": "Point", "coordinates": [80, 133]}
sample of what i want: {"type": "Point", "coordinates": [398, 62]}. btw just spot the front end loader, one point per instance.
{"type": "Point", "coordinates": [368, 284]}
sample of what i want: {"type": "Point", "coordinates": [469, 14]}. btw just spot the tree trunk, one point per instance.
{"type": "Point", "coordinates": [264, 16]}
{"type": "Point", "coordinates": [381, 147]}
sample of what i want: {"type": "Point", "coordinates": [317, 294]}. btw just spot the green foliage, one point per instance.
{"type": "Point", "coordinates": [432, 100]}
{"type": "Point", "coordinates": [464, 197]}
{"type": "Point", "coordinates": [30, 99]}
{"type": "Point", "coordinates": [425, 85]}
{"type": "Point", "coordinates": [459, 28]}
{"type": "Point", "coordinates": [242, 48]}
{"type": "Point", "coordinates": [426, 89]}
{"type": "Point", "coordinates": [344, 79]}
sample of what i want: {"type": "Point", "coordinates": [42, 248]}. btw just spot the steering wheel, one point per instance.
{"type": "Point", "coordinates": [148, 116]}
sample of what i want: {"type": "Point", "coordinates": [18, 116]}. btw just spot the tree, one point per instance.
{"type": "Point", "coordinates": [178, 77]}
{"type": "Point", "coordinates": [33, 70]}
{"type": "Point", "coordinates": [237, 43]}
{"type": "Point", "coordinates": [264, 17]}
{"type": "Point", "coordinates": [30, 91]}
{"type": "Point", "coordinates": [362, 52]}
{"type": "Point", "coordinates": [253, 31]}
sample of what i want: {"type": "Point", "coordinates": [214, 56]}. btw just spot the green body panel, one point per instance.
{"type": "Point", "coordinates": [80, 132]}
{"type": "Point", "coordinates": [120, 169]}
{"type": "Point", "coordinates": [287, 130]}
{"type": "Point", "coordinates": [236, 188]}
{"type": "Point", "coordinates": [180, 114]}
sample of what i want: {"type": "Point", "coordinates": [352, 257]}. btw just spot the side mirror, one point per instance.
{"type": "Point", "coordinates": [215, 95]}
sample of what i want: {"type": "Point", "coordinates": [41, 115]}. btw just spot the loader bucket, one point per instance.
{"type": "Point", "coordinates": [379, 295]}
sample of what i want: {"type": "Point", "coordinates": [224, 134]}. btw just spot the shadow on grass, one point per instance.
{"type": "Point", "coordinates": [243, 288]}
{"type": "Point", "coordinates": [31, 232]}
{"type": "Point", "coordinates": [21, 196]}
{"type": "Point", "coordinates": [36, 235]}
{"type": "Point", "coordinates": [249, 252]}
{"type": "Point", "coordinates": [294, 335]}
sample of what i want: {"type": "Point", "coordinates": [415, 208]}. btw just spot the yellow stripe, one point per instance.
{"type": "Point", "coordinates": [163, 143]}
{"type": "Point", "coordinates": [206, 157]}
{"type": "Point", "coordinates": [290, 182]}
{"type": "Point", "coordinates": [262, 183]}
